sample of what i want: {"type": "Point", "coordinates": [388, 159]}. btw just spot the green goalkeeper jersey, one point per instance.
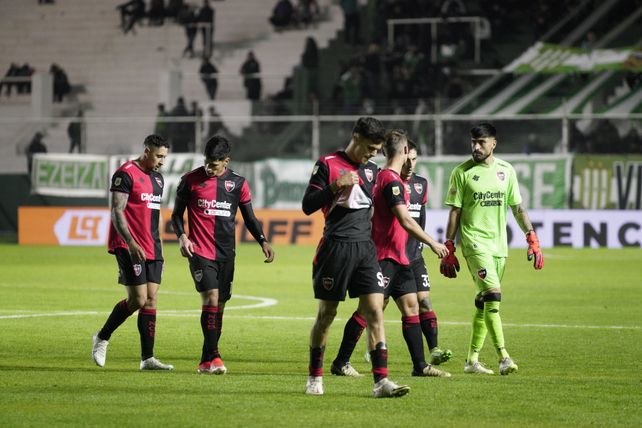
{"type": "Point", "coordinates": [484, 193]}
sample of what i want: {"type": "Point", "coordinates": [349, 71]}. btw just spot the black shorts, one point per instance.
{"type": "Point", "coordinates": [137, 274]}
{"type": "Point", "coordinates": [345, 266]}
{"type": "Point", "coordinates": [212, 275]}
{"type": "Point", "coordinates": [398, 279]}
{"type": "Point", "coordinates": [420, 272]}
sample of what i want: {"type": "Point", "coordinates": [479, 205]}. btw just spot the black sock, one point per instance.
{"type": "Point", "coordinates": [379, 361]}
{"type": "Point", "coordinates": [118, 316]}
{"type": "Point", "coordinates": [219, 331]}
{"type": "Point", "coordinates": [429, 328]}
{"type": "Point", "coordinates": [351, 334]}
{"type": "Point", "coordinates": [147, 331]}
{"type": "Point", "coordinates": [316, 361]}
{"type": "Point", "coordinates": [412, 335]}
{"type": "Point", "coordinates": [209, 325]}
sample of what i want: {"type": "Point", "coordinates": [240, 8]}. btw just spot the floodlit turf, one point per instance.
{"type": "Point", "coordinates": [574, 328]}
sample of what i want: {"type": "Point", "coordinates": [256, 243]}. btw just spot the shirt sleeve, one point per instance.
{"type": "Point", "coordinates": [393, 193]}
{"type": "Point", "coordinates": [513, 196]}
{"type": "Point", "coordinates": [245, 196]}
{"type": "Point", "coordinates": [320, 175]}
{"type": "Point", "coordinates": [455, 188]}
{"type": "Point", "coordinates": [121, 182]}
{"type": "Point", "coordinates": [183, 191]}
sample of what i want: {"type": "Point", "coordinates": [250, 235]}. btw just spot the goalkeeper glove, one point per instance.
{"type": "Point", "coordinates": [534, 253]}
{"type": "Point", "coordinates": [449, 264]}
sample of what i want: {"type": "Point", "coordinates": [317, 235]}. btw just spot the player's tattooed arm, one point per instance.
{"type": "Point", "coordinates": [118, 204]}
{"type": "Point", "coordinates": [521, 217]}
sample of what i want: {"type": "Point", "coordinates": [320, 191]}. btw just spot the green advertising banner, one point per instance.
{"type": "Point", "coordinates": [607, 182]}
{"type": "Point", "coordinates": [70, 175]}
{"type": "Point", "coordinates": [543, 179]}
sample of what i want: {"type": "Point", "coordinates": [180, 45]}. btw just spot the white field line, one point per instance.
{"type": "Point", "coordinates": [194, 313]}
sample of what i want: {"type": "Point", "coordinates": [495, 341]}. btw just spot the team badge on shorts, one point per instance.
{"type": "Point", "coordinates": [198, 275]}
{"type": "Point", "coordinates": [369, 175]}
{"type": "Point", "coordinates": [229, 185]}
{"type": "Point", "coordinates": [159, 182]}
{"type": "Point", "coordinates": [386, 281]}
{"type": "Point", "coordinates": [481, 273]}
{"type": "Point", "coordinates": [138, 269]}
{"type": "Point", "coordinates": [328, 283]}
{"type": "Point", "coordinates": [419, 187]}
{"type": "Point", "coordinates": [501, 175]}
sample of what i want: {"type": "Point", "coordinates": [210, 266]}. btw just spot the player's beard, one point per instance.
{"type": "Point", "coordinates": [479, 157]}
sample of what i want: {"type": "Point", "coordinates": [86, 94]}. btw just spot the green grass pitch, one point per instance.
{"type": "Point", "coordinates": [574, 328]}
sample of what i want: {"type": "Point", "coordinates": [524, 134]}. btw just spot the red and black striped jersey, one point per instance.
{"type": "Point", "coordinates": [388, 235]}
{"type": "Point", "coordinates": [212, 203]}
{"type": "Point", "coordinates": [417, 189]}
{"type": "Point", "coordinates": [347, 214]}
{"type": "Point", "coordinates": [142, 212]}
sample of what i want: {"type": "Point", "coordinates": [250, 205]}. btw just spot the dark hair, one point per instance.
{"type": "Point", "coordinates": [370, 129]}
{"type": "Point", "coordinates": [483, 130]}
{"type": "Point", "coordinates": [217, 147]}
{"type": "Point", "coordinates": [396, 139]}
{"type": "Point", "coordinates": [155, 141]}
{"type": "Point", "coordinates": [412, 145]}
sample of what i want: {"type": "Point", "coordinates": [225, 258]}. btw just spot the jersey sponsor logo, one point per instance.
{"type": "Point", "coordinates": [213, 203]}
{"type": "Point", "coordinates": [138, 269]}
{"type": "Point", "coordinates": [396, 191]}
{"type": "Point", "coordinates": [501, 175]}
{"type": "Point", "coordinates": [327, 283]}
{"type": "Point", "coordinates": [475, 177]}
{"type": "Point", "coordinates": [159, 182]}
{"type": "Point", "coordinates": [414, 207]}
{"type": "Point", "coordinates": [481, 273]}
{"type": "Point", "coordinates": [117, 181]}
{"type": "Point", "coordinates": [198, 275]}
{"type": "Point", "coordinates": [217, 213]}
{"type": "Point", "coordinates": [369, 175]}
{"type": "Point", "coordinates": [419, 187]}
{"type": "Point", "coordinates": [153, 201]}
{"type": "Point", "coordinates": [229, 185]}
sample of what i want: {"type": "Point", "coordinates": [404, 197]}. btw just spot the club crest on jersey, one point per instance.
{"type": "Point", "coordinates": [501, 175]}
{"type": "Point", "coordinates": [481, 273]}
{"type": "Point", "coordinates": [419, 187]}
{"type": "Point", "coordinates": [328, 283]}
{"type": "Point", "coordinates": [198, 275]}
{"type": "Point", "coordinates": [159, 182]}
{"type": "Point", "coordinates": [117, 181]}
{"type": "Point", "coordinates": [138, 269]}
{"type": "Point", "coordinates": [396, 191]}
{"type": "Point", "coordinates": [369, 175]}
{"type": "Point", "coordinates": [229, 185]}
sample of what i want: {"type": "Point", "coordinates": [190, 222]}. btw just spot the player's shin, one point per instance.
{"type": "Point", "coordinates": [209, 326]}
{"type": "Point", "coordinates": [494, 322]}
{"type": "Point", "coordinates": [379, 361]}
{"type": "Point", "coordinates": [117, 316]}
{"type": "Point", "coordinates": [479, 331]}
{"type": "Point", "coordinates": [411, 330]}
{"type": "Point", "coordinates": [147, 332]}
{"type": "Point", "coordinates": [351, 334]}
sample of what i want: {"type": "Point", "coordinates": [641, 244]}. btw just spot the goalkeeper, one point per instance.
{"type": "Point", "coordinates": [479, 192]}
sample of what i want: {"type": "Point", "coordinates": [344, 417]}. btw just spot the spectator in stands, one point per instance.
{"type": "Point", "coordinates": [308, 12]}
{"type": "Point", "coordinates": [351, 23]}
{"type": "Point", "coordinates": [24, 87]}
{"type": "Point", "coordinates": [161, 126]}
{"type": "Point", "coordinates": [251, 70]}
{"type": "Point", "coordinates": [75, 131]}
{"type": "Point", "coordinates": [310, 63]}
{"type": "Point", "coordinates": [187, 18]}
{"type": "Point", "coordinates": [130, 13]}
{"type": "Point", "coordinates": [61, 86]}
{"type": "Point", "coordinates": [12, 72]}
{"type": "Point", "coordinates": [282, 15]}
{"type": "Point", "coordinates": [156, 12]}
{"type": "Point", "coordinates": [205, 19]}
{"type": "Point", "coordinates": [35, 146]}
{"type": "Point", "coordinates": [173, 9]}
{"type": "Point", "coordinates": [208, 73]}
{"type": "Point", "coordinates": [372, 71]}
{"type": "Point", "coordinates": [179, 131]}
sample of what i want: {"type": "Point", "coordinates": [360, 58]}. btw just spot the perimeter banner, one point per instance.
{"type": "Point", "coordinates": [555, 228]}
{"type": "Point", "coordinates": [70, 175]}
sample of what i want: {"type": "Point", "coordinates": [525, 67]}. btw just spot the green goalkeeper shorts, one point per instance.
{"type": "Point", "coordinates": [487, 271]}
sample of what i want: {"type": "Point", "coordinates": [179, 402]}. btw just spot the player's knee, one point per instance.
{"type": "Point", "coordinates": [479, 301]}
{"type": "Point", "coordinates": [491, 302]}
{"type": "Point", "coordinates": [425, 304]}
{"type": "Point", "coordinates": [135, 303]}
{"type": "Point", "coordinates": [493, 297]}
